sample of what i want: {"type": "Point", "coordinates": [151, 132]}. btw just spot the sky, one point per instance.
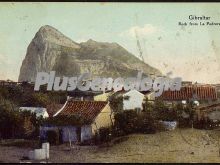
{"type": "Point", "coordinates": [190, 52]}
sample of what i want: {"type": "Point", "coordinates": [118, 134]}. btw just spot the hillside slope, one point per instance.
{"type": "Point", "coordinates": [51, 50]}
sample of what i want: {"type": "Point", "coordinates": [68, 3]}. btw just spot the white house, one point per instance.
{"type": "Point", "coordinates": [132, 99]}
{"type": "Point", "coordinates": [39, 111]}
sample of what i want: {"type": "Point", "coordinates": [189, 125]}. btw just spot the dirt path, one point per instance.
{"type": "Point", "coordinates": [185, 145]}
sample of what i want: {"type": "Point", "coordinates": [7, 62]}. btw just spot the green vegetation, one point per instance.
{"type": "Point", "coordinates": [24, 95]}
{"type": "Point", "coordinates": [103, 135]}
{"type": "Point", "coordinates": [116, 102]}
{"type": "Point", "coordinates": [16, 124]}
{"type": "Point", "coordinates": [131, 121]}
{"type": "Point", "coordinates": [23, 124]}
{"type": "Point", "coordinates": [148, 120]}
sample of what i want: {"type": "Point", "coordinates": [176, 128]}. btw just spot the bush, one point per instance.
{"type": "Point", "coordinates": [159, 126]}
{"type": "Point", "coordinates": [105, 134]}
{"type": "Point", "coordinates": [126, 121]}
{"type": "Point", "coordinates": [146, 123]}
{"type": "Point", "coordinates": [116, 132]}
{"type": "Point", "coordinates": [206, 124]}
{"type": "Point", "coordinates": [53, 137]}
{"type": "Point", "coordinates": [13, 123]}
{"type": "Point", "coordinates": [184, 123]}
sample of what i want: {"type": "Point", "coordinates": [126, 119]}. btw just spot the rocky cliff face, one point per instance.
{"type": "Point", "coordinates": [51, 50]}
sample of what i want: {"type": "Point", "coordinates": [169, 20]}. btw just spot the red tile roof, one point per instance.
{"type": "Point", "coordinates": [200, 92]}
{"type": "Point", "coordinates": [89, 110]}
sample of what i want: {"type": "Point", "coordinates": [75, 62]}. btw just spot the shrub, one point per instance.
{"type": "Point", "coordinates": [159, 126]}
{"type": "Point", "coordinates": [206, 124]}
{"type": "Point", "coordinates": [184, 122]}
{"type": "Point", "coordinates": [116, 132]}
{"type": "Point", "coordinates": [116, 102]}
{"type": "Point", "coordinates": [127, 121]}
{"type": "Point", "coordinates": [146, 123]}
{"type": "Point", "coordinates": [15, 123]}
{"type": "Point", "coordinates": [105, 134]}
{"type": "Point", "coordinates": [132, 122]}
{"type": "Point", "coordinates": [95, 138]}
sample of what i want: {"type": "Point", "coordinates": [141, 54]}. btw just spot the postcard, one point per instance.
{"type": "Point", "coordinates": [109, 82]}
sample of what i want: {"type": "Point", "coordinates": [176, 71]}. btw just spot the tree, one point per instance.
{"type": "Point", "coordinates": [147, 106]}
{"type": "Point", "coordinates": [16, 123]}
{"type": "Point", "coordinates": [8, 119]}
{"type": "Point", "coordinates": [116, 102]}
{"type": "Point", "coordinates": [4, 93]}
{"type": "Point", "coordinates": [190, 109]}
{"type": "Point", "coordinates": [126, 121]}
{"type": "Point", "coordinates": [36, 99]}
{"type": "Point", "coordinates": [57, 96]}
{"type": "Point", "coordinates": [160, 110]}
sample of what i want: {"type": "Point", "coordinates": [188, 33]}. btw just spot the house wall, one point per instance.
{"type": "Point", "coordinates": [44, 129]}
{"type": "Point", "coordinates": [86, 132]}
{"type": "Point", "coordinates": [69, 132]}
{"type": "Point", "coordinates": [103, 119]}
{"type": "Point", "coordinates": [135, 100]}
{"type": "Point", "coordinates": [102, 97]}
